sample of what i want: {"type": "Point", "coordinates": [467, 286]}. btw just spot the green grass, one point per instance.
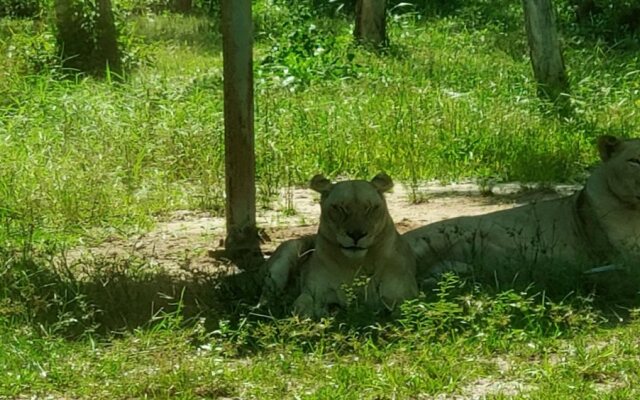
{"type": "Point", "coordinates": [451, 99]}
{"type": "Point", "coordinates": [455, 345]}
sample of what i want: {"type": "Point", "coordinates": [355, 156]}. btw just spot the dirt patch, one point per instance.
{"type": "Point", "coordinates": [186, 241]}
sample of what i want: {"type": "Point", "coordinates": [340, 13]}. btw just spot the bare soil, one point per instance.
{"type": "Point", "coordinates": [186, 242]}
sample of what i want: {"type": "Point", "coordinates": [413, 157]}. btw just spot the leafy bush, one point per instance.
{"type": "Point", "coordinates": [21, 8]}
{"type": "Point", "coordinates": [610, 19]}
{"type": "Point", "coordinates": [30, 47]}
{"type": "Point", "coordinates": [140, 7]}
{"type": "Point", "coordinates": [506, 315]}
{"type": "Point", "coordinates": [304, 53]}
{"type": "Point", "coordinates": [458, 312]}
{"type": "Point", "coordinates": [83, 37]}
{"type": "Point", "coordinates": [32, 292]}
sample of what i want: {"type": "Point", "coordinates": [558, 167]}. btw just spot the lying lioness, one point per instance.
{"type": "Point", "coordinates": [596, 229]}
{"type": "Point", "coordinates": [356, 240]}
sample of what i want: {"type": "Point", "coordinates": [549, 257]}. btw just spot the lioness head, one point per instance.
{"type": "Point", "coordinates": [621, 165]}
{"type": "Point", "coordinates": [353, 213]}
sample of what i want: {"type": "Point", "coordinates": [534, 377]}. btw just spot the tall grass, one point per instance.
{"type": "Point", "coordinates": [451, 99]}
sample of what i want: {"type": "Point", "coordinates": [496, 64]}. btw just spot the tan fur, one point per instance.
{"type": "Point", "coordinates": [356, 239]}
{"type": "Point", "coordinates": [595, 227]}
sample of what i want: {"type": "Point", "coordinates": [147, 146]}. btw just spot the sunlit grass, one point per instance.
{"type": "Point", "coordinates": [450, 100]}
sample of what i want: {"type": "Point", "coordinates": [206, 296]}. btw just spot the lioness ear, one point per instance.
{"type": "Point", "coordinates": [382, 182]}
{"type": "Point", "coordinates": [320, 184]}
{"type": "Point", "coordinates": [607, 145]}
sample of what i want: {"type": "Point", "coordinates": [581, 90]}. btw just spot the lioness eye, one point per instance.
{"type": "Point", "coordinates": [634, 161]}
{"type": "Point", "coordinates": [338, 209]}
{"type": "Point", "coordinates": [372, 208]}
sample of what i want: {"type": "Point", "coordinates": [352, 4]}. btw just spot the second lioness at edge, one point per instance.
{"type": "Point", "coordinates": [595, 227]}
{"type": "Point", "coordinates": [599, 226]}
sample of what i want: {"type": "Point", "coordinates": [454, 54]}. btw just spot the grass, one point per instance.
{"type": "Point", "coordinates": [451, 99]}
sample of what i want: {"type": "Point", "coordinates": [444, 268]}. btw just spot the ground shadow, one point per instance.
{"type": "Point", "coordinates": [127, 299]}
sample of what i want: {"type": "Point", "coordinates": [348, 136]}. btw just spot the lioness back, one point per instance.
{"type": "Point", "coordinates": [595, 227]}
{"type": "Point", "coordinates": [503, 244]}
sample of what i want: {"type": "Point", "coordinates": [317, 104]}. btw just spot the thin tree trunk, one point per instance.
{"type": "Point", "coordinates": [371, 22]}
{"type": "Point", "coordinates": [242, 243]}
{"type": "Point", "coordinates": [545, 50]}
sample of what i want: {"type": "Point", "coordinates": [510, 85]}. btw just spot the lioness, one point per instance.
{"type": "Point", "coordinates": [356, 239]}
{"type": "Point", "coordinates": [595, 229]}
{"type": "Point", "coordinates": [590, 230]}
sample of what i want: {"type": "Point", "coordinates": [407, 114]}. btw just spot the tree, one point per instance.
{"type": "Point", "coordinates": [545, 49]}
{"type": "Point", "coordinates": [107, 53]}
{"type": "Point", "coordinates": [371, 22]}
{"type": "Point", "coordinates": [242, 244]}
{"type": "Point", "coordinates": [87, 36]}
{"type": "Point", "coordinates": [183, 6]}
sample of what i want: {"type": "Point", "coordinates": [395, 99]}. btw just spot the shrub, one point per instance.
{"type": "Point", "coordinates": [304, 53]}
{"type": "Point", "coordinates": [611, 19]}
{"type": "Point", "coordinates": [86, 34]}
{"type": "Point", "coordinates": [21, 8]}
{"type": "Point", "coordinates": [30, 47]}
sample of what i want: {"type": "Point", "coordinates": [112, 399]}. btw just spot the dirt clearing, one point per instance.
{"type": "Point", "coordinates": [186, 241]}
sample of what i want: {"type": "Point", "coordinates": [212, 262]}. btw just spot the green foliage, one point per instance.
{"type": "Point", "coordinates": [443, 345]}
{"type": "Point", "coordinates": [77, 35]}
{"type": "Point", "coordinates": [34, 293]}
{"type": "Point", "coordinates": [146, 7]}
{"type": "Point", "coordinates": [452, 99]}
{"type": "Point", "coordinates": [22, 8]}
{"type": "Point", "coordinates": [508, 315]}
{"type": "Point", "coordinates": [141, 7]}
{"type": "Point", "coordinates": [30, 48]}
{"type": "Point", "coordinates": [84, 38]}
{"type": "Point", "coordinates": [302, 53]}
{"type": "Point", "coordinates": [614, 20]}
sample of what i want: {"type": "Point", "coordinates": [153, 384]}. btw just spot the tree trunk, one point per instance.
{"type": "Point", "coordinates": [371, 22]}
{"type": "Point", "coordinates": [242, 243]}
{"type": "Point", "coordinates": [183, 6]}
{"type": "Point", "coordinates": [107, 53]}
{"type": "Point", "coordinates": [83, 47]}
{"type": "Point", "coordinates": [544, 46]}
{"type": "Point", "coordinates": [74, 40]}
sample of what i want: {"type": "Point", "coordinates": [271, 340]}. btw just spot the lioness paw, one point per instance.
{"type": "Point", "coordinates": [304, 305]}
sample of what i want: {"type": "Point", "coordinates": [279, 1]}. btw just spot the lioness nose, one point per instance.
{"type": "Point", "coordinates": [356, 235]}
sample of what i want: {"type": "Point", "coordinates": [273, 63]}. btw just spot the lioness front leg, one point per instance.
{"type": "Point", "coordinates": [308, 305]}
{"type": "Point", "coordinates": [286, 261]}
{"type": "Point", "coordinates": [397, 287]}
